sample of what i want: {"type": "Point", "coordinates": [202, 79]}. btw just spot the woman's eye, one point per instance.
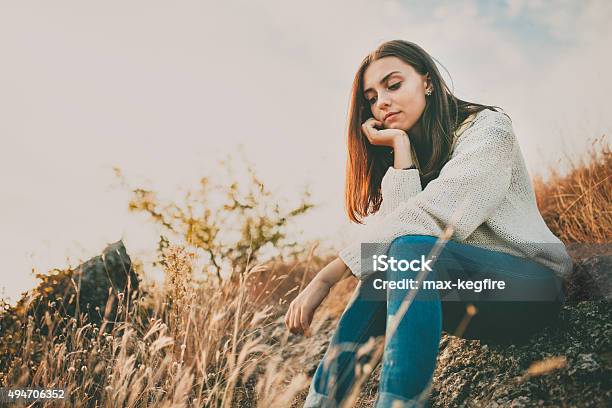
{"type": "Point", "coordinates": [393, 87]}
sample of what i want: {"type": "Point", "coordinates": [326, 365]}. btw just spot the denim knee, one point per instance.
{"type": "Point", "coordinates": [416, 244]}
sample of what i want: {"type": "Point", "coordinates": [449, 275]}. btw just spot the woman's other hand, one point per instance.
{"type": "Point", "coordinates": [302, 308]}
{"type": "Point", "coordinates": [383, 137]}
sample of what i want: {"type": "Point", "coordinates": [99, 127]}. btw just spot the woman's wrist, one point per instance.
{"type": "Point", "coordinates": [402, 153]}
{"type": "Point", "coordinates": [401, 140]}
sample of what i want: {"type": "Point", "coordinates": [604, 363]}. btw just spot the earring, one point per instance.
{"type": "Point", "coordinates": [428, 91]}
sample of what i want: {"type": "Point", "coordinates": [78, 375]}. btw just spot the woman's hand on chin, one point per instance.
{"type": "Point", "coordinates": [302, 308]}
{"type": "Point", "coordinates": [371, 128]}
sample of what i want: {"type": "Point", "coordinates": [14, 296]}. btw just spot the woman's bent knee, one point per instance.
{"type": "Point", "coordinates": [410, 244]}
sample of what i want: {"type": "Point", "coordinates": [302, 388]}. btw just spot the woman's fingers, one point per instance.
{"type": "Point", "coordinates": [369, 129]}
{"type": "Point", "coordinates": [370, 123]}
{"type": "Point", "coordinates": [305, 322]}
{"type": "Point", "coordinates": [301, 324]}
{"type": "Point", "coordinates": [295, 320]}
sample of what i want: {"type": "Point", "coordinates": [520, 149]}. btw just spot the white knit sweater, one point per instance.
{"type": "Point", "coordinates": [486, 176]}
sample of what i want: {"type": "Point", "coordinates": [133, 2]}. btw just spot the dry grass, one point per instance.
{"type": "Point", "coordinates": [184, 344]}
{"type": "Point", "coordinates": [576, 206]}
{"type": "Point", "coordinates": [212, 344]}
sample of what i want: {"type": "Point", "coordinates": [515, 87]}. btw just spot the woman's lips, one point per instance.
{"type": "Point", "coordinates": [391, 116]}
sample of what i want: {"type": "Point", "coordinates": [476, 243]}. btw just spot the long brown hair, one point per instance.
{"type": "Point", "coordinates": [366, 163]}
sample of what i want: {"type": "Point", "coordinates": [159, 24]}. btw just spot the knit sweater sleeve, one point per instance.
{"type": "Point", "coordinates": [398, 186]}
{"type": "Point", "coordinates": [469, 188]}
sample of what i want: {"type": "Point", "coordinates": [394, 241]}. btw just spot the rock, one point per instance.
{"type": "Point", "coordinates": [84, 289]}
{"type": "Point", "coordinates": [110, 271]}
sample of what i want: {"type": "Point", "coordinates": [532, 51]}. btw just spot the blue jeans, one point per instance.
{"type": "Point", "coordinates": [409, 354]}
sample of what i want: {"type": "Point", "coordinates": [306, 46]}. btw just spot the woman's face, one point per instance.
{"type": "Point", "coordinates": [395, 92]}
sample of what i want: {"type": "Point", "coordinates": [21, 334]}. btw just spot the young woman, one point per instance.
{"type": "Point", "coordinates": [428, 164]}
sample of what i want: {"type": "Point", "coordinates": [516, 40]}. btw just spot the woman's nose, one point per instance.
{"type": "Point", "coordinates": [383, 100]}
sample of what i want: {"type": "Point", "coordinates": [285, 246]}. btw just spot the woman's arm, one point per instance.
{"type": "Point", "coordinates": [334, 272]}
{"type": "Point", "coordinates": [302, 308]}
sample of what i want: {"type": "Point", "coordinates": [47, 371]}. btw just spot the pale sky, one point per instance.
{"type": "Point", "coordinates": [163, 89]}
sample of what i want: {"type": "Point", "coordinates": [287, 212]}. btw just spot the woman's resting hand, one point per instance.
{"type": "Point", "coordinates": [302, 308]}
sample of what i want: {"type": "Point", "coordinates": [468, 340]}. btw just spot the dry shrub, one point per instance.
{"type": "Point", "coordinates": [232, 222]}
{"type": "Point", "coordinates": [576, 206]}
